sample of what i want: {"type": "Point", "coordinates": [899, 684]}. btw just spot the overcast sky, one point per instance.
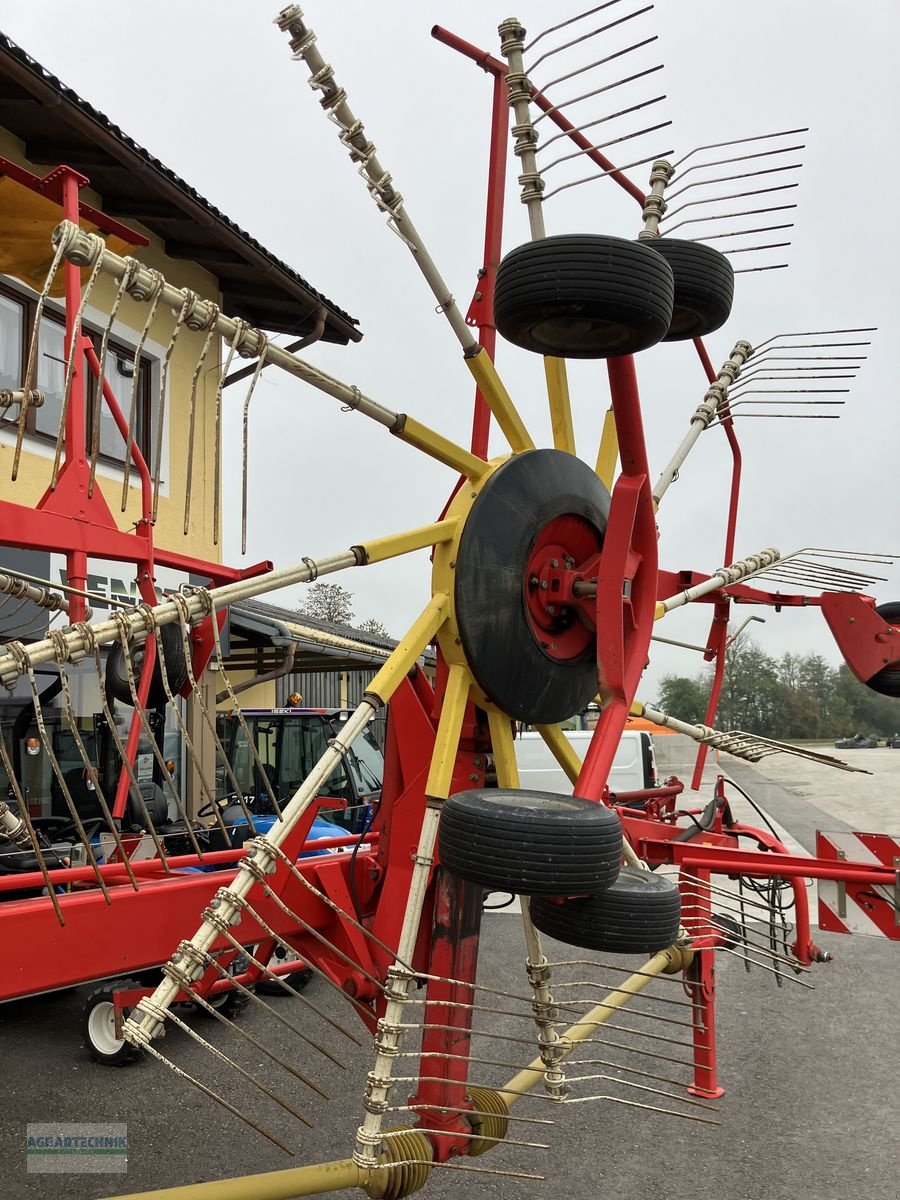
{"type": "Point", "coordinates": [210, 88]}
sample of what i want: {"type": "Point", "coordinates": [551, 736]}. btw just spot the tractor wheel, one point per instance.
{"type": "Point", "coordinates": [233, 1002]}
{"type": "Point", "coordinates": [98, 1025]}
{"type": "Point", "coordinates": [171, 645]}
{"type": "Point", "coordinates": [704, 287]}
{"type": "Point", "coordinates": [887, 681]}
{"type": "Point", "coordinates": [639, 914]}
{"type": "Point", "coordinates": [298, 979]}
{"type": "Point", "coordinates": [530, 843]}
{"type": "Point", "coordinates": [583, 296]}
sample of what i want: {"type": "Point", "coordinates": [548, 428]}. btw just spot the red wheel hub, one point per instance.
{"type": "Point", "coordinates": [563, 552]}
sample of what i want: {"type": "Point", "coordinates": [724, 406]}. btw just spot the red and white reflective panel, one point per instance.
{"type": "Point", "coordinates": [860, 907]}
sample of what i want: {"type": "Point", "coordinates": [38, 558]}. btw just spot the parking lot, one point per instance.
{"type": "Point", "coordinates": [811, 1107]}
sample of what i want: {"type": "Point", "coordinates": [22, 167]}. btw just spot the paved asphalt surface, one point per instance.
{"type": "Point", "coordinates": [812, 1105]}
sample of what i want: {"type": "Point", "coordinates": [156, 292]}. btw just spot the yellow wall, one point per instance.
{"type": "Point", "coordinates": [261, 696]}
{"type": "Point", "coordinates": [34, 473]}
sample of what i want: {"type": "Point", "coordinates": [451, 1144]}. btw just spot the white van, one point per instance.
{"type": "Point", "coordinates": [633, 769]}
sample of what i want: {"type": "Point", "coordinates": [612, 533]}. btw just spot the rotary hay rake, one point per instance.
{"type": "Point", "coordinates": [545, 586]}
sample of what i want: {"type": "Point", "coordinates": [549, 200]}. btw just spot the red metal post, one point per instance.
{"type": "Point", "coordinates": [629, 560]}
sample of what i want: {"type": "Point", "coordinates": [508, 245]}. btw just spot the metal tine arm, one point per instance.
{"type": "Point", "coordinates": [183, 308]}
{"type": "Point", "coordinates": [29, 395]}
{"type": "Point", "coordinates": [97, 404]}
{"type": "Point", "coordinates": [135, 382]}
{"type": "Point", "coordinates": [640, 162]}
{"type": "Point", "coordinates": [194, 604]}
{"type": "Point", "coordinates": [192, 413]}
{"type": "Point", "coordinates": [814, 333]}
{"type": "Point", "coordinates": [157, 753]}
{"type": "Point", "coordinates": [387, 198]}
{"type": "Point", "coordinates": [92, 774]}
{"type": "Point", "coordinates": [199, 315]}
{"type": "Point", "coordinates": [261, 852]}
{"type": "Point", "coordinates": [605, 145]}
{"type": "Point", "coordinates": [567, 105]}
{"type": "Point", "coordinates": [761, 246]}
{"type": "Point", "coordinates": [745, 212]}
{"type": "Point", "coordinates": [696, 183]}
{"type": "Point", "coordinates": [709, 237]}
{"type": "Point", "coordinates": [20, 829]}
{"type": "Point", "coordinates": [70, 369]}
{"type": "Point", "coordinates": [226, 1104]}
{"type": "Point", "coordinates": [741, 745]}
{"type": "Point", "coordinates": [714, 401]}
{"type": "Point", "coordinates": [61, 780]}
{"type": "Point", "coordinates": [759, 137]}
{"type": "Point", "coordinates": [781, 187]}
{"type": "Point", "coordinates": [639, 12]}
{"type": "Point", "coordinates": [723, 162]}
{"type": "Point", "coordinates": [590, 125]}
{"type": "Point", "coordinates": [133, 785]}
{"type": "Point", "coordinates": [570, 21]}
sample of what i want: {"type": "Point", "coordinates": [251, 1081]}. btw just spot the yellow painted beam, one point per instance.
{"type": "Point", "coordinates": [560, 406]}
{"type": "Point", "coordinates": [446, 743]}
{"type": "Point", "coordinates": [504, 750]}
{"type": "Point", "coordinates": [608, 454]}
{"type": "Point", "coordinates": [561, 749]}
{"type": "Point", "coordinates": [499, 401]}
{"type": "Point", "coordinates": [414, 433]}
{"type": "Point", "coordinates": [396, 544]}
{"type": "Point", "coordinates": [403, 657]}
{"type": "Point", "coordinates": [273, 1185]}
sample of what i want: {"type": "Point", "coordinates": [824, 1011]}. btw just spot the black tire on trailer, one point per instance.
{"type": "Point", "coordinates": [233, 1002]}
{"type": "Point", "coordinates": [887, 681]}
{"type": "Point", "coordinates": [298, 980]}
{"type": "Point", "coordinates": [704, 287]}
{"type": "Point", "coordinates": [639, 914]}
{"type": "Point", "coordinates": [171, 645]}
{"type": "Point", "coordinates": [583, 296]}
{"type": "Point", "coordinates": [530, 843]}
{"type": "Point", "coordinates": [98, 1025]}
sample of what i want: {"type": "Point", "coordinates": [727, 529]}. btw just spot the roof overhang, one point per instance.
{"type": "Point", "coordinates": [57, 126]}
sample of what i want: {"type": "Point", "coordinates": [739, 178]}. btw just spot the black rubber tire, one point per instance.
{"type": "Point", "coordinates": [639, 914]}
{"type": "Point", "coordinates": [704, 287]}
{"type": "Point", "coordinates": [233, 1002]}
{"type": "Point", "coordinates": [530, 843]}
{"type": "Point", "coordinates": [887, 681]}
{"type": "Point", "coordinates": [505, 654]}
{"type": "Point", "coordinates": [170, 644]}
{"type": "Point", "coordinates": [583, 296]}
{"type": "Point", "coordinates": [298, 980]}
{"type": "Point", "coordinates": [125, 1053]}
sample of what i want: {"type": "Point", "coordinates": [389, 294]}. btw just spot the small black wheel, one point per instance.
{"type": "Point", "coordinates": [530, 843]}
{"type": "Point", "coordinates": [733, 932]}
{"type": "Point", "coordinates": [704, 287]}
{"type": "Point", "coordinates": [887, 681]}
{"type": "Point", "coordinates": [298, 979]}
{"type": "Point", "coordinates": [171, 645]}
{"type": "Point", "coordinates": [233, 1002]}
{"type": "Point", "coordinates": [583, 296]}
{"type": "Point", "coordinates": [98, 1025]}
{"type": "Point", "coordinates": [639, 914]}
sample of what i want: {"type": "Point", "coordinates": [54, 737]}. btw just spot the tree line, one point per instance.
{"type": "Point", "coordinates": [797, 696]}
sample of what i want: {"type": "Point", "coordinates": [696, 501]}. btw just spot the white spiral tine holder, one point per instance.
{"type": "Point", "coordinates": [518, 86]}
{"type": "Point", "coordinates": [362, 151]}
{"type": "Point", "coordinates": [714, 402]}
{"type": "Point", "coordinates": [745, 568]}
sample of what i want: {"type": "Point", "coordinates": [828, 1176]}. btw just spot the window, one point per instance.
{"type": "Point", "coordinates": [17, 313]}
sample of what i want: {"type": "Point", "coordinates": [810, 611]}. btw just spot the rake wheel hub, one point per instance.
{"type": "Point", "coordinates": [514, 622]}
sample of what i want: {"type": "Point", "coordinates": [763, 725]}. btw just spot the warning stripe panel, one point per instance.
{"type": "Point", "coordinates": [859, 908]}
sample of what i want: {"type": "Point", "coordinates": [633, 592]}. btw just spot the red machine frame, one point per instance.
{"type": "Point", "coordinates": [144, 924]}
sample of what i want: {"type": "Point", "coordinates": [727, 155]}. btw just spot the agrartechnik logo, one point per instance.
{"type": "Point", "coordinates": [57, 1149]}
